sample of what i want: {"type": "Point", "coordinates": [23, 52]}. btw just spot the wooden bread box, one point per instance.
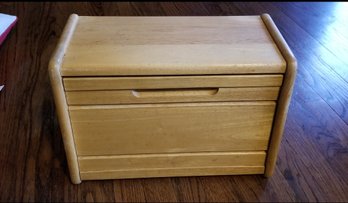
{"type": "Point", "coordinates": [144, 97]}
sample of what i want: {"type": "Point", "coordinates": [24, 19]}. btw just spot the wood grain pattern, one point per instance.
{"type": "Point", "coordinates": [116, 83]}
{"type": "Point", "coordinates": [168, 128]}
{"type": "Point", "coordinates": [312, 164]}
{"type": "Point", "coordinates": [144, 46]}
{"type": "Point", "coordinates": [171, 95]}
{"type": "Point", "coordinates": [161, 161]}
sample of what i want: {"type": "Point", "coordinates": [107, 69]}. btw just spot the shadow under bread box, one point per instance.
{"type": "Point", "coordinates": [144, 97]}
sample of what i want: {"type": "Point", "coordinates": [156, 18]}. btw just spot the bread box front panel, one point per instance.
{"type": "Point", "coordinates": [169, 128]}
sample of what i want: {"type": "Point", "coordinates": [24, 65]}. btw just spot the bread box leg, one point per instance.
{"type": "Point", "coordinates": [284, 97]}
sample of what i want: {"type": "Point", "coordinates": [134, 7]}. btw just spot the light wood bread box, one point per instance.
{"type": "Point", "coordinates": [171, 96]}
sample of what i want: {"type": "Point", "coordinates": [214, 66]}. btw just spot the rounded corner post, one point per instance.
{"type": "Point", "coordinates": [265, 15]}
{"type": "Point", "coordinates": [73, 15]}
{"type": "Point", "coordinates": [285, 94]}
{"type": "Point", "coordinates": [267, 175]}
{"type": "Point", "coordinates": [60, 100]}
{"type": "Point", "coordinates": [76, 181]}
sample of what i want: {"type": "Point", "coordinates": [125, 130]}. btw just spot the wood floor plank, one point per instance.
{"type": "Point", "coordinates": [316, 64]}
{"type": "Point", "coordinates": [329, 29]}
{"type": "Point", "coordinates": [131, 190]}
{"type": "Point", "coordinates": [320, 121]}
{"type": "Point", "coordinates": [313, 158]}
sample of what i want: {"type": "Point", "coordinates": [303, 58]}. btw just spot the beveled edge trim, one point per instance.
{"type": "Point", "coordinates": [284, 96]}
{"type": "Point", "coordinates": [170, 82]}
{"type": "Point", "coordinates": [173, 172]}
{"type": "Point", "coordinates": [60, 100]}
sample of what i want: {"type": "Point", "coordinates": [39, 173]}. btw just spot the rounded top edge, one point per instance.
{"type": "Point", "coordinates": [56, 58]}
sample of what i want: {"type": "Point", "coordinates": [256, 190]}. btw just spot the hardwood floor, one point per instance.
{"type": "Point", "coordinates": [313, 158]}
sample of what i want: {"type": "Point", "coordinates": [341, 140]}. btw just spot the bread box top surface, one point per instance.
{"type": "Point", "coordinates": [205, 45]}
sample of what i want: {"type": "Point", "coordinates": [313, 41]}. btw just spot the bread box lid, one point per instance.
{"type": "Point", "coordinates": [205, 45]}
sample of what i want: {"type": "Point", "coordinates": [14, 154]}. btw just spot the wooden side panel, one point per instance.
{"type": "Point", "coordinates": [171, 128]}
{"type": "Point", "coordinates": [171, 95]}
{"type": "Point", "coordinates": [181, 164]}
{"type": "Point", "coordinates": [60, 100]}
{"type": "Point", "coordinates": [116, 83]}
{"type": "Point", "coordinates": [285, 94]}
